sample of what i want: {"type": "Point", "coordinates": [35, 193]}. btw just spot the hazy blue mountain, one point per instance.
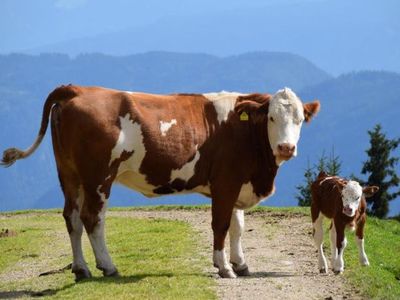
{"type": "Point", "coordinates": [351, 104]}
{"type": "Point", "coordinates": [339, 36]}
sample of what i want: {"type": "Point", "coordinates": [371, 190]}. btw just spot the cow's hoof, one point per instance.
{"type": "Point", "coordinates": [323, 271]}
{"type": "Point", "coordinates": [243, 272]}
{"type": "Point", "coordinates": [364, 263]}
{"type": "Point", "coordinates": [81, 274]}
{"type": "Point", "coordinates": [108, 273]}
{"type": "Point", "coordinates": [226, 273]}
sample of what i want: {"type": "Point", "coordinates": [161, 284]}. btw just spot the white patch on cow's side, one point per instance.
{"type": "Point", "coordinates": [187, 170]}
{"type": "Point", "coordinates": [285, 117]}
{"type": "Point", "coordinates": [319, 240]}
{"type": "Point", "coordinates": [131, 139]}
{"type": "Point", "coordinates": [224, 103]}
{"type": "Point", "coordinates": [236, 230]}
{"type": "Point", "coordinates": [165, 126]}
{"type": "Point", "coordinates": [361, 252]}
{"type": "Point", "coordinates": [126, 138]}
{"type": "Point", "coordinates": [97, 240]}
{"type": "Point", "coordinates": [247, 198]}
{"type": "Point", "coordinates": [351, 196]}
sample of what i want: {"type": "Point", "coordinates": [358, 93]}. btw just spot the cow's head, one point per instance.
{"type": "Point", "coordinates": [285, 115]}
{"type": "Point", "coordinates": [352, 193]}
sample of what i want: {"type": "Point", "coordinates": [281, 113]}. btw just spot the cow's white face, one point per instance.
{"type": "Point", "coordinates": [285, 117]}
{"type": "Point", "coordinates": [351, 197]}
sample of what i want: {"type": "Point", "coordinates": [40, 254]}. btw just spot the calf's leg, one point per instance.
{"type": "Point", "coordinates": [235, 232]}
{"type": "Point", "coordinates": [341, 243]}
{"type": "Point", "coordinates": [360, 242]}
{"type": "Point", "coordinates": [333, 244]}
{"type": "Point", "coordinates": [318, 233]}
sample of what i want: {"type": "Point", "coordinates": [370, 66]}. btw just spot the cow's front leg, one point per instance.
{"type": "Point", "coordinates": [221, 216]}
{"type": "Point", "coordinates": [334, 253]}
{"type": "Point", "coordinates": [341, 242]}
{"type": "Point", "coordinates": [360, 242]}
{"type": "Point", "coordinates": [236, 230]}
{"type": "Point", "coordinates": [94, 221]}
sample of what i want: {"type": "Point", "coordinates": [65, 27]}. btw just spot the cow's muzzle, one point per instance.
{"type": "Point", "coordinates": [286, 151]}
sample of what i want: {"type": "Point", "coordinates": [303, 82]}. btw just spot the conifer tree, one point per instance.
{"type": "Point", "coordinates": [381, 169]}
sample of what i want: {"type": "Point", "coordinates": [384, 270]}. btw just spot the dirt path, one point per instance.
{"type": "Point", "coordinates": [279, 252]}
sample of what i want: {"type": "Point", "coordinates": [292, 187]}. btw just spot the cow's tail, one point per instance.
{"type": "Point", "coordinates": [60, 94]}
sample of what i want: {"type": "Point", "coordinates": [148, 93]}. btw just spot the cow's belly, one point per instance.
{"type": "Point", "coordinates": [136, 182]}
{"type": "Point", "coordinates": [247, 198]}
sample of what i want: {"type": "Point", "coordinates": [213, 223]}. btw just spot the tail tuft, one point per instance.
{"type": "Point", "coordinates": [10, 156]}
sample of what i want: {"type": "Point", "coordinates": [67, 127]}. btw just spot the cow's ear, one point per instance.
{"type": "Point", "coordinates": [252, 102]}
{"type": "Point", "coordinates": [311, 109]}
{"type": "Point", "coordinates": [369, 191]}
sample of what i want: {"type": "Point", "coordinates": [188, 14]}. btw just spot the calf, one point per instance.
{"type": "Point", "coordinates": [343, 201]}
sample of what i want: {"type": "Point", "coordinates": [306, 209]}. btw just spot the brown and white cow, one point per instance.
{"type": "Point", "coordinates": [227, 146]}
{"type": "Point", "coordinates": [344, 202]}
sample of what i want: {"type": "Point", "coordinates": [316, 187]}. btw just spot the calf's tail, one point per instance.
{"type": "Point", "coordinates": [62, 93]}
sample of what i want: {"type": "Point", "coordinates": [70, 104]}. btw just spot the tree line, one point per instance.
{"type": "Point", "coordinates": [379, 169]}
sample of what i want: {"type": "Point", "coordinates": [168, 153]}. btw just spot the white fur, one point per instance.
{"type": "Point", "coordinates": [131, 139]}
{"type": "Point", "coordinates": [351, 196]}
{"type": "Point", "coordinates": [285, 117]}
{"type": "Point", "coordinates": [236, 230]}
{"type": "Point", "coordinates": [224, 103]}
{"type": "Point", "coordinates": [221, 262]}
{"type": "Point", "coordinates": [339, 262]}
{"type": "Point", "coordinates": [75, 236]}
{"type": "Point", "coordinates": [97, 240]}
{"type": "Point", "coordinates": [165, 126]}
{"type": "Point", "coordinates": [247, 198]}
{"type": "Point", "coordinates": [318, 240]}
{"type": "Point", "coordinates": [187, 170]}
{"type": "Point", "coordinates": [361, 252]}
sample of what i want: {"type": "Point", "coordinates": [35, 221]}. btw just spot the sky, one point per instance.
{"type": "Point", "coordinates": [337, 35]}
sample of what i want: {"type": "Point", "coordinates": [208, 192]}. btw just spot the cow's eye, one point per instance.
{"type": "Point", "coordinates": [271, 119]}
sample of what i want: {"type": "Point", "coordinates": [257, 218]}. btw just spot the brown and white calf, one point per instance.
{"type": "Point", "coordinates": [344, 202]}
{"type": "Point", "coordinates": [227, 146]}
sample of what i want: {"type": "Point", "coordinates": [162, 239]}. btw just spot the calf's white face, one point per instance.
{"type": "Point", "coordinates": [351, 197]}
{"type": "Point", "coordinates": [285, 117]}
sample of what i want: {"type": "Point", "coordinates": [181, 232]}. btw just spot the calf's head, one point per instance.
{"type": "Point", "coordinates": [352, 193]}
{"type": "Point", "coordinates": [285, 114]}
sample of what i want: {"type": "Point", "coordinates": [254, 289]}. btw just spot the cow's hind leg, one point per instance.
{"type": "Point", "coordinates": [235, 232]}
{"type": "Point", "coordinates": [73, 201]}
{"type": "Point", "coordinates": [93, 217]}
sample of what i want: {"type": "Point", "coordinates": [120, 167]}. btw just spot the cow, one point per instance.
{"type": "Point", "coordinates": [227, 146]}
{"type": "Point", "coordinates": [342, 201]}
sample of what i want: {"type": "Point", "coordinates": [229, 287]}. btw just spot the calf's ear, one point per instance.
{"type": "Point", "coordinates": [369, 191]}
{"type": "Point", "coordinates": [311, 109]}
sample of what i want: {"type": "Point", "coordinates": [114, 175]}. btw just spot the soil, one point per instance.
{"type": "Point", "coordinates": [280, 254]}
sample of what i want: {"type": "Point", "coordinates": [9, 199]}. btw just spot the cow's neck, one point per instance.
{"type": "Point", "coordinates": [265, 167]}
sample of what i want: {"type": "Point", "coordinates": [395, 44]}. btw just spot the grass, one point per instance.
{"type": "Point", "coordinates": [157, 259]}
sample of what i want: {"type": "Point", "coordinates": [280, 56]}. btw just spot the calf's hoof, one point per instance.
{"type": "Point", "coordinates": [323, 271]}
{"type": "Point", "coordinates": [81, 274]}
{"type": "Point", "coordinates": [108, 273]}
{"type": "Point", "coordinates": [226, 273]}
{"type": "Point", "coordinates": [338, 272]}
{"type": "Point", "coordinates": [364, 263]}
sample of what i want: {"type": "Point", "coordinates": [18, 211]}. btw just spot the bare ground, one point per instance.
{"type": "Point", "coordinates": [280, 254]}
{"type": "Point", "coordinates": [278, 249]}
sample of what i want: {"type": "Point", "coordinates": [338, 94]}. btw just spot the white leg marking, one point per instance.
{"type": "Point", "coordinates": [97, 240]}
{"type": "Point", "coordinates": [165, 126]}
{"type": "Point", "coordinates": [361, 252]}
{"type": "Point", "coordinates": [333, 245]}
{"type": "Point", "coordinates": [339, 263]}
{"type": "Point", "coordinates": [318, 239]}
{"type": "Point", "coordinates": [221, 262]}
{"type": "Point", "coordinates": [236, 230]}
{"type": "Point", "coordinates": [75, 236]}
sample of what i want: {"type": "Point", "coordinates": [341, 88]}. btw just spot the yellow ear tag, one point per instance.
{"type": "Point", "coordinates": [244, 116]}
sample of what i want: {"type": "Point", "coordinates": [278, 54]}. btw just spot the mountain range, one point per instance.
{"type": "Point", "coordinates": [352, 103]}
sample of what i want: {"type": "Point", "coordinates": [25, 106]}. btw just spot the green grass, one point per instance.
{"type": "Point", "coordinates": [381, 280]}
{"type": "Point", "coordinates": [157, 259]}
